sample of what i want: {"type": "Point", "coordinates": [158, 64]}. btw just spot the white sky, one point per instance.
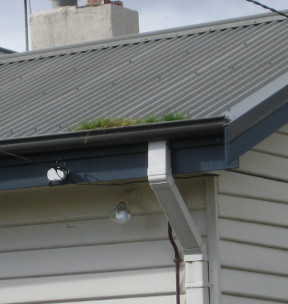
{"type": "Point", "coordinates": [154, 14]}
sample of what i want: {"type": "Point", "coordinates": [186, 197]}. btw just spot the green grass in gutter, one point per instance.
{"type": "Point", "coordinates": [112, 122]}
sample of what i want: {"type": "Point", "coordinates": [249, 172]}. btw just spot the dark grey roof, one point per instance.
{"type": "Point", "coordinates": [219, 69]}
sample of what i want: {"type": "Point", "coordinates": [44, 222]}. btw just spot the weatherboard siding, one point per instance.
{"type": "Point", "coordinates": [240, 300]}
{"type": "Point", "coordinates": [58, 245]}
{"type": "Point", "coordinates": [146, 300]}
{"type": "Point", "coordinates": [253, 225]}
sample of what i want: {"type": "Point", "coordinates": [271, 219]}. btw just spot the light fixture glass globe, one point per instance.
{"type": "Point", "coordinates": [120, 213]}
{"type": "Point", "coordinates": [57, 174]}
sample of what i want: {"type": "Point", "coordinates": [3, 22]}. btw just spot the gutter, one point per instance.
{"type": "Point", "coordinates": [114, 153]}
{"type": "Point", "coordinates": [175, 130]}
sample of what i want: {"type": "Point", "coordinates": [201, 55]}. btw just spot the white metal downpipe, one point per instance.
{"type": "Point", "coordinates": [194, 248]}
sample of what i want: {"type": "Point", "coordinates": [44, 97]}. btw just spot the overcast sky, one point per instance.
{"type": "Point", "coordinates": [154, 14]}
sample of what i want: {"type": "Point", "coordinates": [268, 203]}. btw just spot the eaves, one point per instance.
{"type": "Point", "coordinates": [114, 153]}
{"type": "Point", "coordinates": [257, 117]}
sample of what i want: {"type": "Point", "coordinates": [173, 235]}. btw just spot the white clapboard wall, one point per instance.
{"type": "Point", "coordinates": [253, 224]}
{"type": "Point", "coordinates": [57, 245]}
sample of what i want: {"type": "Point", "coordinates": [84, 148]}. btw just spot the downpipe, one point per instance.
{"type": "Point", "coordinates": [194, 248]}
{"type": "Point", "coordinates": [177, 261]}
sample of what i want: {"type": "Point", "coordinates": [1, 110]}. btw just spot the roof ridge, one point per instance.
{"type": "Point", "coordinates": [144, 37]}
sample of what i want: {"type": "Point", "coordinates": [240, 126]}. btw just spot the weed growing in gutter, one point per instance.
{"type": "Point", "coordinates": [110, 122]}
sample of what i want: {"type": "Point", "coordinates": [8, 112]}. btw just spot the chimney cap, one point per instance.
{"type": "Point", "coordinates": [61, 3]}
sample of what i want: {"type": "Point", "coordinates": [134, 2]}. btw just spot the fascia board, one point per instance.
{"type": "Point", "coordinates": [111, 164]}
{"type": "Point", "coordinates": [93, 166]}
{"type": "Point", "coordinates": [256, 107]}
{"type": "Point", "coordinates": [257, 133]}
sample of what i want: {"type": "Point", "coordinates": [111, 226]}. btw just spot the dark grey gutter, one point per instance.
{"type": "Point", "coordinates": [175, 130]}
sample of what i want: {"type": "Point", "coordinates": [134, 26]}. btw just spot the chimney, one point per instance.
{"type": "Point", "coordinates": [68, 24]}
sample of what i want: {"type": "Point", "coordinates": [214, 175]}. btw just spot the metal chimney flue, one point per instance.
{"type": "Point", "coordinates": [61, 3]}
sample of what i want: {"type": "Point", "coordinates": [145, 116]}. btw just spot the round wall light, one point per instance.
{"type": "Point", "coordinates": [120, 213]}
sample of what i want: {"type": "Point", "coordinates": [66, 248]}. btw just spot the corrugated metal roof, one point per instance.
{"type": "Point", "coordinates": [202, 71]}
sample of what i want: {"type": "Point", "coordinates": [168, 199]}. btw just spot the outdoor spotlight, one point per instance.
{"type": "Point", "coordinates": [120, 213]}
{"type": "Point", "coordinates": [57, 174]}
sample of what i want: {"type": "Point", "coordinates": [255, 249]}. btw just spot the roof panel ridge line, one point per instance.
{"type": "Point", "coordinates": [142, 37]}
